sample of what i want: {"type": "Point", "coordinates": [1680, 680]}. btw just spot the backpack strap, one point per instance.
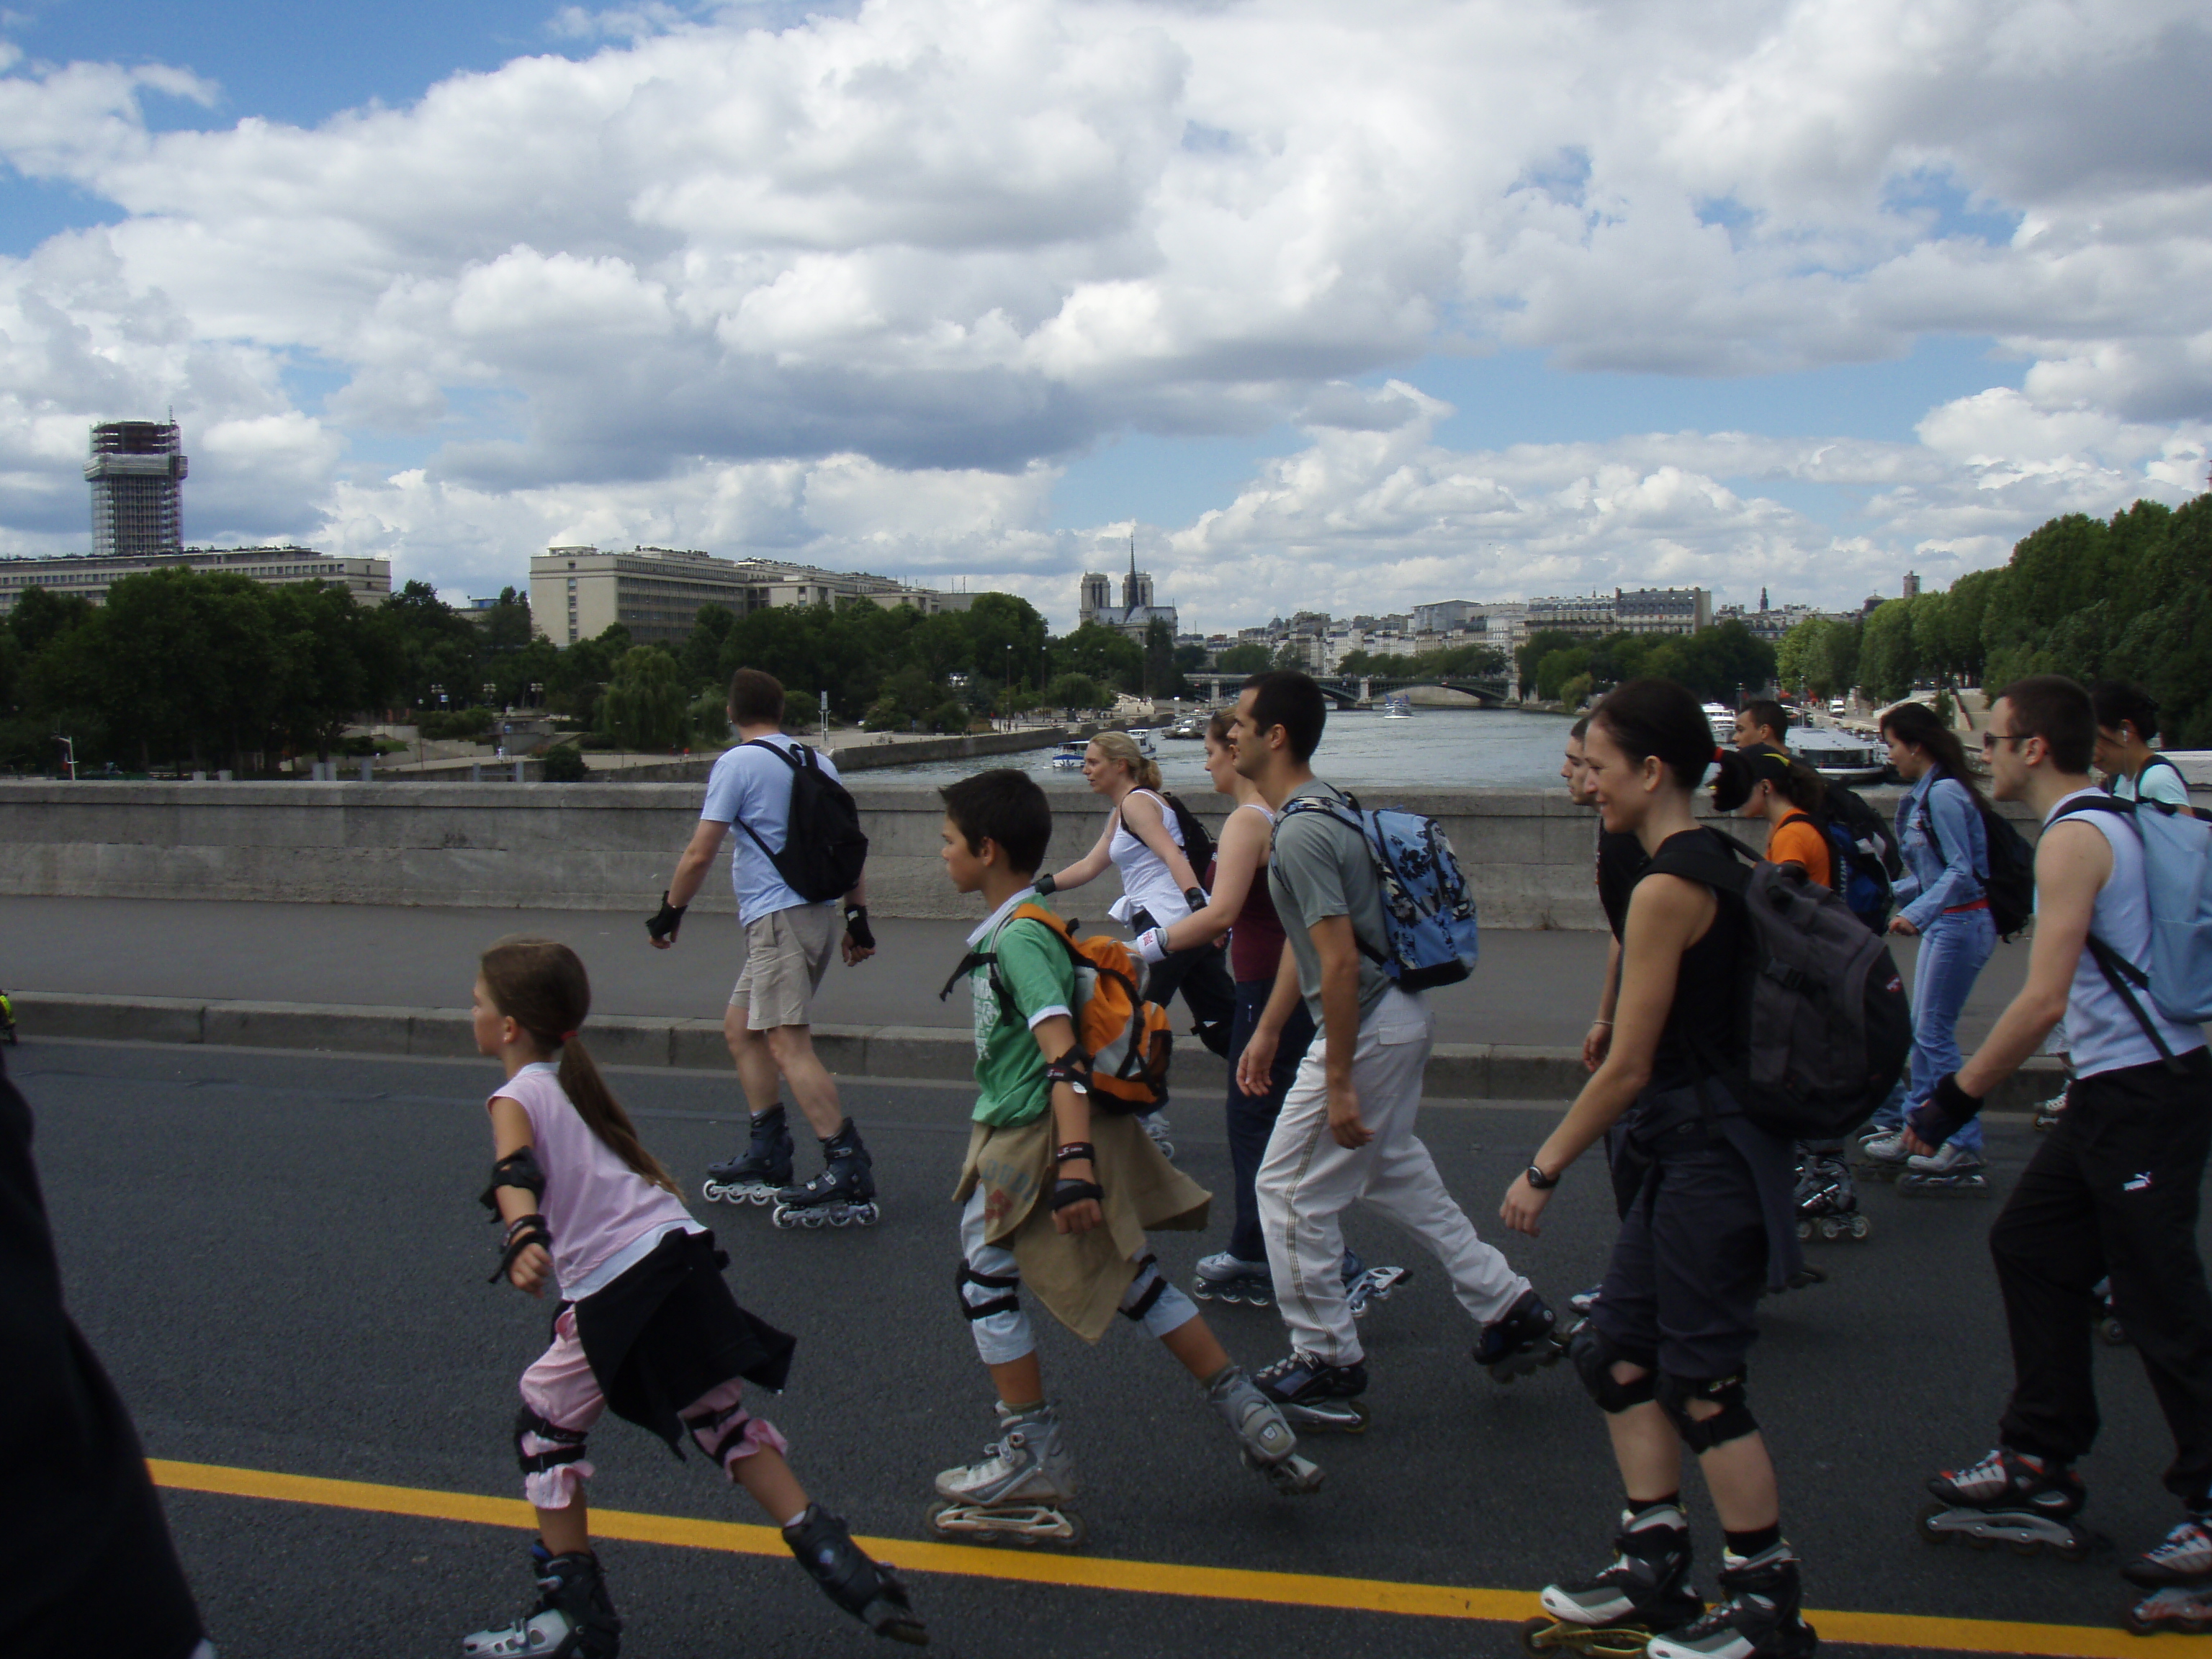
{"type": "Point", "coordinates": [1304, 804]}
{"type": "Point", "coordinates": [2123, 975]}
{"type": "Point", "coordinates": [989, 958]}
{"type": "Point", "coordinates": [796, 765]}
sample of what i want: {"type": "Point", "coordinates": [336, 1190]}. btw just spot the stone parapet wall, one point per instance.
{"type": "Point", "coordinates": [612, 846]}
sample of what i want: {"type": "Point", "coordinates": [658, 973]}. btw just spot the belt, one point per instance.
{"type": "Point", "coordinates": [1961, 910]}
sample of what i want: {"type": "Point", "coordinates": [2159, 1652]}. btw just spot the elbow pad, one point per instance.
{"type": "Point", "coordinates": [519, 1169]}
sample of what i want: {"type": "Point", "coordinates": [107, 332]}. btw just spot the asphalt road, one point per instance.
{"type": "Point", "coordinates": [1531, 988]}
{"type": "Point", "coordinates": [280, 1259]}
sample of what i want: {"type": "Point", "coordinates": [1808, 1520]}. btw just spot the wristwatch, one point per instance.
{"type": "Point", "coordinates": [1538, 1180]}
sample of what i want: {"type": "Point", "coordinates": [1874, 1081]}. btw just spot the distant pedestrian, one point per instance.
{"type": "Point", "coordinates": [1146, 842]}
{"type": "Point", "coordinates": [758, 785]}
{"type": "Point", "coordinates": [646, 1324]}
{"type": "Point", "coordinates": [2113, 1189]}
{"type": "Point", "coordinates": [1705, 1201]}
{"type": "Point", "coordinates": [1762, 720]}
{"type": "Point", "coordinates": [2127, 721]}
{"type": "Point", "coordinates": [1346, 1132]}
{"type": "Point", "coordinates": [1944, 896]}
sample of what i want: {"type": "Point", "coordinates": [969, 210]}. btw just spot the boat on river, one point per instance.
{"type": "Point", "coordinates": [1841, 756]}
{"type": "Point", "coordinates": [1068, 757]}
{"type": "Point", "coordinates": [1397, 707]}
{"type": "Point", "coordinates": [1722, 718]}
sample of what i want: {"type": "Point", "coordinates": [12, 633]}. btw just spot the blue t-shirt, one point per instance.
{"type": "Point", "coordinates": [751, 787]}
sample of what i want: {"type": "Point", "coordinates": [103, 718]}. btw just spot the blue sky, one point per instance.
{"type": "Point", "coordinates": [944, 287]}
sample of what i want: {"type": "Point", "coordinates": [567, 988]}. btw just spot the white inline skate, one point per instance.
{"type": "Point", "coordinates": [1019, 1493]}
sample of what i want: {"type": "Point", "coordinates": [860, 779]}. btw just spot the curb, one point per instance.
{"type": "Point", "coordinates": [1457, 1071]}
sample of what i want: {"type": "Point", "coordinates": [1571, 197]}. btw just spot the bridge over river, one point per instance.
{"type": "Point", "coordinates": [1362, 690]}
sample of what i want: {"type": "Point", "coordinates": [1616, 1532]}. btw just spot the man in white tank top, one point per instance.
{"type": "Point", "coordinates": [2113, 1189]}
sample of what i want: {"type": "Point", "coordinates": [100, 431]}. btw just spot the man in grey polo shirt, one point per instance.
{"type": "Point", "coordinates": [1346, 1128]}
{"type": "Point", "coordinates": [788, 945]}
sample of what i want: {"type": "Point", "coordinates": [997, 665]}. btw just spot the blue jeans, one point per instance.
{"type": "Point", "coordinates": [1952, 954]}
{"type": "Point", "coordinates": [1252, 1117]}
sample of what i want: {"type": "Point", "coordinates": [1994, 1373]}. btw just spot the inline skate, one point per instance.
{"type": "Point", "coordinates": [2009, 1497]}
{"type": "Point", "coordinates": [867, 1589]}
{"type": "Point", "coordinates": [1883, 1156]}
{"type": "Point", "coordinates": [1828, 1206]}
{"type": "Point", "coordinates": [1953, 1172]}
{"type": "Point", "coordinates": [1263, 1437]}
{"type": "Point", "coordinates": [1317, 1395]}
{"type": "Point", "coordinates": [1757, 1616]}
{"type": "Point", "coordinates": [1225, 1278]}
{"type": "Point", "coordinates": [1020, 1491]}
{"type": "Point", "coordinates": [2047, 1112]}
{"type": "Point", "coordinates": [759, 1173]}
{"type": "Point", "coordinates": [1373, 1284]}
{"type": "Point", "coordinates": [2178, 1572]}
{"type": "Point", "coordinates": [1156, 1126]}
{"type": "Point", "coordinates": [843, 1195]}
{"type": "Point", "coordinates": [1524, 1339]}
{"type": "Point", "coordinates": [2109, 1328]}
{"type": "Point", "coordinates": [574, 1618]}
{"type": "Point", "coordinates": [1646, 1590]}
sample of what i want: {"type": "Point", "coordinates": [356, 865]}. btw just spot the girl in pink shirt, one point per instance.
{"type": "Point", "coordinates": [646, 1324]}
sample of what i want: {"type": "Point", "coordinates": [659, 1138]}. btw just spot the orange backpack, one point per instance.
{"type": "Point", "coordinates": [1127, 1038]}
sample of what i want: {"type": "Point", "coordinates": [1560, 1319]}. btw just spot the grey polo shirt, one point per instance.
{"type": "Point", "coordinates": [1321, 868]}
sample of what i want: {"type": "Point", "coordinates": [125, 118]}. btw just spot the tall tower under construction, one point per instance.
{"type": "Point", "coordinates": [136, 471]}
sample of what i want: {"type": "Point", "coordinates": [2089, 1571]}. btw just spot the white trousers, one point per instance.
{"type": "Point", "coordinates": [1307, 1181]}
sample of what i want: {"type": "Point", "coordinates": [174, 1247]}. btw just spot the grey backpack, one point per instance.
{"type": "Point", "coordinates": [1820, 1007]}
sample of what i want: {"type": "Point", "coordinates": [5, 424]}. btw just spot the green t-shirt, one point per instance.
{"type": "Point", "coordinates": [1039, 979]}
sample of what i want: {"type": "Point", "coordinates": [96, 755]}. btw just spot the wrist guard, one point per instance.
{"type": "Point", "coordinates": [1194, 897]}
{"type": "Point", "coordinates": [1073, 1068]}
{"type": "Point", "coordinates": [670, 917]}
{"type": "Point", "coordinates": [519, 1169]}
{"type": "Point", "coordinates": [1074, 1149]}
{"type": "Point", "coordinates": [1152, 945]}
{"type": "Point", "coordinates": [857, 928]}
{"type": "Point", "coordinates": [1944, 1113]}
{"type": "Point", "coordinates": [1045, 886]}
{"type": "Point", "coordinates": [521, 1234]}
{"type": "Point", "coordinates": [1065, 1192]}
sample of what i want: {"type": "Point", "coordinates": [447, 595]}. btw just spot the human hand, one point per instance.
{"type": "Point", "coordinates": [1343, 1120]}
{"type": "Point", "coordinates": [1523, 1206]}
{"type": "Point", "coordinates": [530, 1270]}
{"type": "Point", "coordinates": [1255, 1066]}
{"type": "Point", "coordinates": [661, 928]}
{"type": "Point", "coordinates": [1077, 1204]}
{"type": "Point", "coordinates": [1597, 1044]}
{"type": "Point", "coordinates": [1899, 925]}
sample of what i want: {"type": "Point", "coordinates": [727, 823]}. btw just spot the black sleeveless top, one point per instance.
{"type": "Point", "coordinates": [1703, 1023]}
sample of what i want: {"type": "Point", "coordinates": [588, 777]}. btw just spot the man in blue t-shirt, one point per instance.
{"type": "Point", "coordinates": [788, 944]}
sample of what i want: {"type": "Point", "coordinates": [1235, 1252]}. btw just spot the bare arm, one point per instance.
{"type": "Point", "coordinates": [1236, 863]}
{"type": "Point", "coordinates": [1256, 1064]}
{"type": "Point", "coordinates": [1338, 949]}
{"type": "Point", "coordinates": [1091, 864]}
{"type": "Point", "coordinates": [1147, 821]}
{"type": "Point", "coordinates": [2073, 862]}
{"type": "Point", "coordinates": [691, 868]}
{"type": "Point", "coordinates": [1599, 1041]}
{"type": "Point", "coordinates": [1666, 916]}
{"type": "Point", "coordinates": [1070, 1121]}
{"type": "Point", "coordinates": [511, 1133]}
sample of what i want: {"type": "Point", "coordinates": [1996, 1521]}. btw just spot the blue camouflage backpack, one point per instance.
{"type": "Point", "coordinates": [1428, 914]}
{"type": "Point", "coordinates": [2178, 871]}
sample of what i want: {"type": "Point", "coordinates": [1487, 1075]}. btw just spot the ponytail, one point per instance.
{"type": "Point", "coordinates": [541, 986]}
{"type": "Point", "coordinates": [1121, 746]}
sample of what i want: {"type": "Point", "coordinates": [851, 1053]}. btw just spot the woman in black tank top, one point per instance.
{"type": "Point", "coordinates": [1704, 1200]}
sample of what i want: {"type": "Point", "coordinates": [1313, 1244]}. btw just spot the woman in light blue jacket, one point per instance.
{"type": "Point", "coordinates": [1945, 901]}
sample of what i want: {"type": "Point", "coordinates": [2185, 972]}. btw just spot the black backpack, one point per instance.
{"type": "Point", "coordinates": [2009, 881]}
{"type": "Point", "coordinates": [2161, 760]}
{"type": "Point", "coordinates": [1821, 1007]}
{"type": "Point", "coordinates": [1197, 845]}
{"type": "Point", "coordinates": [824, 850]}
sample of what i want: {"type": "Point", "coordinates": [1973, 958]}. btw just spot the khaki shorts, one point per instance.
{"type": "Point", "coordinates": [787, 953]}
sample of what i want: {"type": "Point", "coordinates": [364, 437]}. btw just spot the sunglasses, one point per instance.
{"type": "Point", "coordinates": [1991, 739]}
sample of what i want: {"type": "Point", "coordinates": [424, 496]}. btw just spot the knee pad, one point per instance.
{"type": "Point", "coordinates": [1144, 1290]}
{"type": "Point", "coordinates": [995, 1315]}
{"type": "Point", "coordinates": [1732, 1421]}
{"type": "Point", "coordinates": [1153, 1303]}
{"type": "Point", "coordinates": [1594, 1355]}
{"type": "Point", "coordinates": [552, 1460]}
{"type": "Point", "coordinates": [1008, 1299]}
{"type": "Point", "coordinates": [730, 1433]}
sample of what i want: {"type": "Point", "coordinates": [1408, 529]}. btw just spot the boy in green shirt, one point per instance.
{"type": "Point", "coordinates": [1056, 1197]}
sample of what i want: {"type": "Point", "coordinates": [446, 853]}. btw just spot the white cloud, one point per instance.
{"type": "Point", "coordinates": [857, 281]}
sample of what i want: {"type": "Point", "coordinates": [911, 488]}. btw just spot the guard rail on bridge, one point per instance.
{"type": "Point", "coordinates": [1353, 691]}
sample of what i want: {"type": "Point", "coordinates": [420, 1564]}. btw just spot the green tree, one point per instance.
{"type": "Point", "coordinates": [644, 706]}
{"type": "Point", "coordinates": [507, 626]}
{"type": "Point", "coordinates": [1076, 691]}
{"type": "Point", "coordinates": [1162, 678]}
{"type": "Point", "coordinates": [1889, 663]}
{"type": "Point", "coordinates": [1101, 653]}
{"type": "Point", "coordinates": [1558, 666]}
{"type": "Point", "coordinates": [41, 614]}
{"type": "Point", "coordinates": [701, 655]}
{"type": "Point", "coordinates": [1534, 649]}
{"type": "Point", "coordinates": [1248, 658]}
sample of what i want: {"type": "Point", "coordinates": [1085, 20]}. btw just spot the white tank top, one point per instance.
{"type": "Point", "coordinates": [1145, 883]}
{"type": "Point", "coordinates": [2107, 1036]}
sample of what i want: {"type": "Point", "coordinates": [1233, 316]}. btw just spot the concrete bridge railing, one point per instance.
{"type": "Point", "coordinates": [612, 846]}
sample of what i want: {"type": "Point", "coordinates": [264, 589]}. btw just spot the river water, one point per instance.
{"type": "Point", "coordinates": [1499, 747]}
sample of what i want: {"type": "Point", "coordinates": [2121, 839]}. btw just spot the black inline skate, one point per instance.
{"type": "Point", "coordinates": [761, 1172]}
{"type": "Point", "coordinates": [1317, 1395]}
{"type": "Point", "coordinates": [843, 1195]}
{"type": "Point", "coordinates": [2177, 1571]}
{"type": "Point", "coordinates": [863, 1587]}
{"type": "Point", "coordinates": [1827, 1203]}
{"type": "Point", "coordinates": [1645, 1591]}
{"type": "Point", "coordinates": [2009, 1497]}
{"type": "Point", "coordinates": [574, 1618]}
{"type": "Point", "coordinates": [1757, 1616]}
{"type": "Point", "coordinates": [1524, 1339]}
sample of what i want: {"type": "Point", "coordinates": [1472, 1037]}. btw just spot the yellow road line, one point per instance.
{"type": "Point", "coordinates": [1144, 1577]}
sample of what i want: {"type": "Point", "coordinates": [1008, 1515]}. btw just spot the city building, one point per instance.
{"type": "Point", "coordinates": [579, 592]}
{"type": "Point", "coordinates": [368, 581]}
{"type": "Point", "coordinates": [1662, 610]}
{"type": "Point", "coordinates": [1136, 613]}
{"type": "Point", "coordinates": [136, 473]}
{"type": "Point", "coordinates": [1592, 613]}
{"type": "Point", "coordinates": [1913, 584]}
{"type": "Point", "coordinates": [1446, 615]}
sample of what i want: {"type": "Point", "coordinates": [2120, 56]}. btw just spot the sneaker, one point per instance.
{"type": "Point", "coordinates": [2185, 1558]}
{"type": "Point", "coordinates": [1887, 1148]}
{"type": "Point", "coordinates": [1949, 1158]}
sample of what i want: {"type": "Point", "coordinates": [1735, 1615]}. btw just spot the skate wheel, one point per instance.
{"type": "Point", "coordinates": [1539, 1635]}
{"type": "Point", "coordinates": [1924, 1523]}
{"type": "Point", "coordinates": [2114, 1333]}
{"type": "Point", "coordinates": [710, 1191]}
{"type": "Point", "coordinates": [1831, 1229]}
{"type": "Point", "coordinates": [2077, 1548]}
{"type": "Point", "coordinates": [1861, 1226]}
{"type": "Point", "coordinates": [1804, 1231]}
